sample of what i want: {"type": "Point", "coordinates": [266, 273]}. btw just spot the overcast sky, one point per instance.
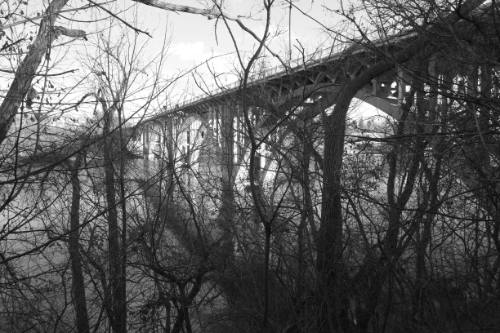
{"type": "Point", "coordinates": [194, 39]}
{"type": "Point", "coordinates": [193, 36]}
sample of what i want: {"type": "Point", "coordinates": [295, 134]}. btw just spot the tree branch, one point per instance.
{"type": "Point", "coordinates": [74, 33]}
{"type": "Point", "coordinates": [211, 13]}
{"type": "Point", "coordinates": [28, 68]}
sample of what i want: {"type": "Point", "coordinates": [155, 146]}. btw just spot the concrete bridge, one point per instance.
{"type": "Point", "coordinates": [212, 129]}
{"type": "Point", "coordinates": [275, 97]}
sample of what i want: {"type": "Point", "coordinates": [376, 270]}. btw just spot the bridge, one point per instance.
{"type": "Point", "coordinates": [207, 137]}
{"type": "Point", "coordinates": [209, 132]}
{"type": "Point", "coordinates": [273, 96]}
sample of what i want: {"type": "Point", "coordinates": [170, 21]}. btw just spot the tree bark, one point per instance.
{"type": "Point", "coordinates": [78, 284]}
{"type": "Point", "coordinates": [118, 302]}
{"type": "Point", "coordinates": [226, 217]}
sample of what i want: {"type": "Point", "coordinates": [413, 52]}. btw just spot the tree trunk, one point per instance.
{"type": "Point", "coordinates": [122, 288]}
{"type": "Point", "coordinates": [78, 283]}
{"type": "Point", "coordinates": [27, 69]}
{"type": "Point", "coordinates": [118, 303]}
{"type": "Point", "coordinates": [226, 217]}
{"type": "Point", "coordinates": [329, 258]}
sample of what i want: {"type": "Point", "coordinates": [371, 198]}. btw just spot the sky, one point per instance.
{"type": "Point", "coordinates": [191, 40]}
{"type": "Point", "coordinates": [194, 39]}
{"type": "Point", "coordinates": [192, 34]}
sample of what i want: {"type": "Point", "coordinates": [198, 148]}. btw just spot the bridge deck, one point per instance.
{"type": "Point", "coordinates": [299, 70]}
